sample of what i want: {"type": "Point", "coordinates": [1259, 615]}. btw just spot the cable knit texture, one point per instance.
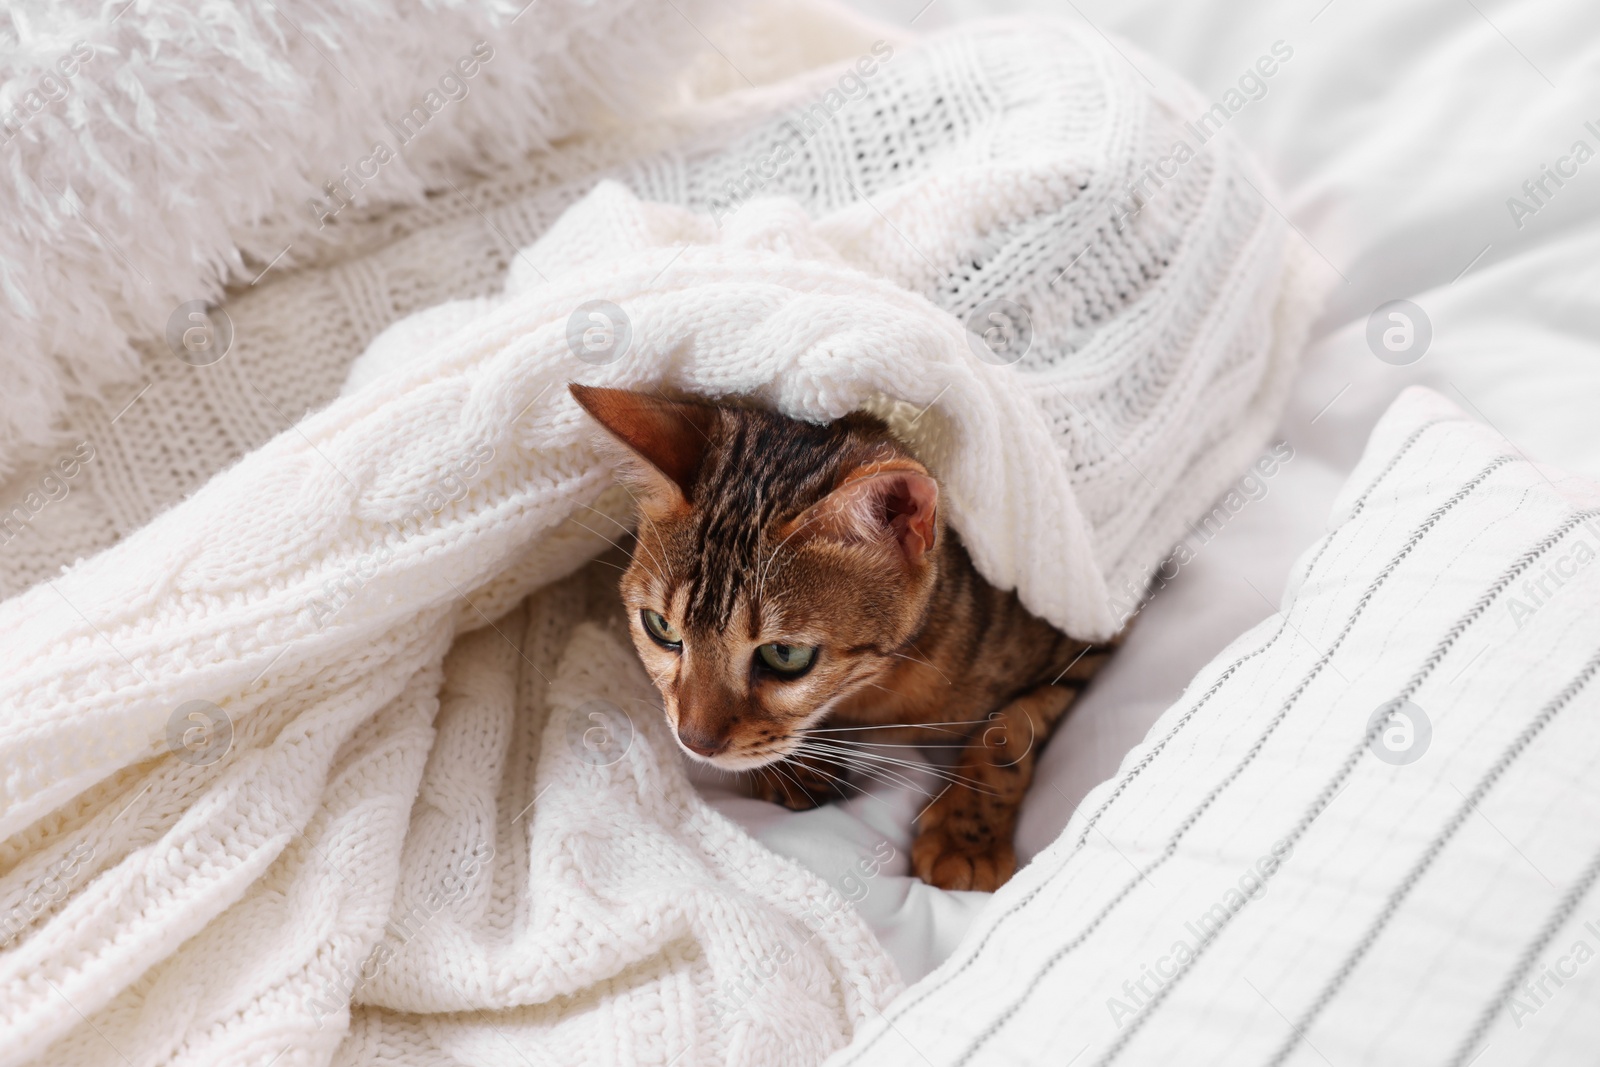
{"type": "Point", "coordinates": [411, 848]}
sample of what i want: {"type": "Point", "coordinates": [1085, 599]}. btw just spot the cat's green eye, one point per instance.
{"type": "Point", "coordinates": [790, 660]}
{"type": "Point", "coordinates": [664, 633]}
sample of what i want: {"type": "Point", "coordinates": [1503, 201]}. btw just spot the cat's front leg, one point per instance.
{"type": "Point", "coordinates": [798, 784]}
{"type": "Point", "coordinates": [964, 838]}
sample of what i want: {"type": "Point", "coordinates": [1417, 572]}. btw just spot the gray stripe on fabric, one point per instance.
{"type": "Point", "coordinates": [1336, 784]}
{"type": "Point", "coordinates": [1447, 832]}
{"type": "Point", "coordinates": [1137, 769]}
{"type": "Point", "coordinates": [1216, 791]}
{"type": "Point", "coordinates": [1552, 925]}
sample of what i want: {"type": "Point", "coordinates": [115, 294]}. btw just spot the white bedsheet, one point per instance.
{"type": "Point", "coordinates": [1397, 135]}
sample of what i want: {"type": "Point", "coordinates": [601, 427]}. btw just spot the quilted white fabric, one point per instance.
{"type": "Point", "coordinates": [1367, 834]}
{"type": "Point", "coordinates": [241, 786]}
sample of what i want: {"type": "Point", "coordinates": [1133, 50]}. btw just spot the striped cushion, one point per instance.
{"type": "Point", "coordinates": [1368, 833]}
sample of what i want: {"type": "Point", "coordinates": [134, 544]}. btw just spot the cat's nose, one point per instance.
{"type": "Point", "coordinates": [701, 743]}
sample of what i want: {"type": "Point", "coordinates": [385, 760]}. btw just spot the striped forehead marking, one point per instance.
{"type": "Point", "coordinates": [766, 470]}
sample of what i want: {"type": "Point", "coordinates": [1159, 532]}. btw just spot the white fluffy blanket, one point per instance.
{"type": "Point", "coordinates": [152, 151]}
{"type": "Point", "coordinates": [245, 787]}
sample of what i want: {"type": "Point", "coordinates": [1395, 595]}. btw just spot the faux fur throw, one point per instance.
{"type": "Point", "coordinates": [255, 768]}
{"type": "Point", "coordinates": [151, 151]}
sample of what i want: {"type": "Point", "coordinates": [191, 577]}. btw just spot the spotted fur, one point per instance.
{"type": "Point", "coordinates": [759, 529]}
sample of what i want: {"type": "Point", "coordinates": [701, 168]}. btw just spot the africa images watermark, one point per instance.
{"type": "Point", "coordinates": [600, 733]}
{"type": "Point", "coordinates": [453, 86]}
{"type": "Point", "coordinates": [1399, 732]}
{"type": "Point", "coordinates": [1536, 992]}
{"type": "Point", "coordinates": [800, 128]}
{"type": "Point", "coordinates": [1540, 590]}
{"type": "Point", "coordinates": [54, 485]}
{"type": "Point", "coordinates": [1538, 190]}
{"type": "Point", "coordinates": [50, 890]}
{"type": "Point", "coordinates": [1399, 332]}
{"type": "Point", "coordinates": [1138, 992]}
{"type": "Point", "coordinates": [1251, 87]}
{"type": "Point", "coordinates": [199, 733]}
{"type": "Point", "coordinates": [52, 87]}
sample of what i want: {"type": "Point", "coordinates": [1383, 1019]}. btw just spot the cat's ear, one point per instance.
{"type": "Point", "coordinates": [668, 438]}
{"type": "Point", "coordinates": [894, 504]}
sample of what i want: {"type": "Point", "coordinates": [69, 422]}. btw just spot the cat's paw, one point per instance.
{"type": "Point", "coordinates": [951, 860]}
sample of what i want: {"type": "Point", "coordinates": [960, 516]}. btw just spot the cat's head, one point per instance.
{"type": "Point", "coordinates": [778, 566]}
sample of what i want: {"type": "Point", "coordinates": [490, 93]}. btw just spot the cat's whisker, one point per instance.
{"type": "Point", "coordinates": [638, 543]}
{"type": "Point", "coordinates": [888, 778]}
{"type": "Point", "coordinates": [901, 726]}
{"type": "Point", "coordinates": [837, 779]}
{"type": "Point", "coordinates": [834, 778]}
{"type": "Point", "coordinates": [952, 780]}
{"type": "Point", "coordinates": [862, 750]}
{"type": "Point", "coordinates": [611, 518]}
{"type": "Point", "coordinates": [778, 767]}
{"type": "Point", "coordinates": [943, 773]}
{"type": "Point", "coordinates": [639, 510]}
{"type": "Point", "coordinates": [762, 775]}
{"type": "Point", "coordinates": [608, 563]}
{"type": "Point", "coordinates": [960, 737]}
{"type": "Point", "coordinates": [613, 544]}
{"type": "Point", "coordinates": [925, 663]}
{"type": "Point", "coordinates": [860, 756]}
{"type": "Point", "coordinates": [885, 775]}
{"type": "Point", "coordinates": [893, 744]}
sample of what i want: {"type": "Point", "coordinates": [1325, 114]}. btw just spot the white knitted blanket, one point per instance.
{"type": "Point", "coordinates": [256, 769]}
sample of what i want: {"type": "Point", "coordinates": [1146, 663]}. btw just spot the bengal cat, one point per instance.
{"type": "Point", "coordinates": [794, 594]}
